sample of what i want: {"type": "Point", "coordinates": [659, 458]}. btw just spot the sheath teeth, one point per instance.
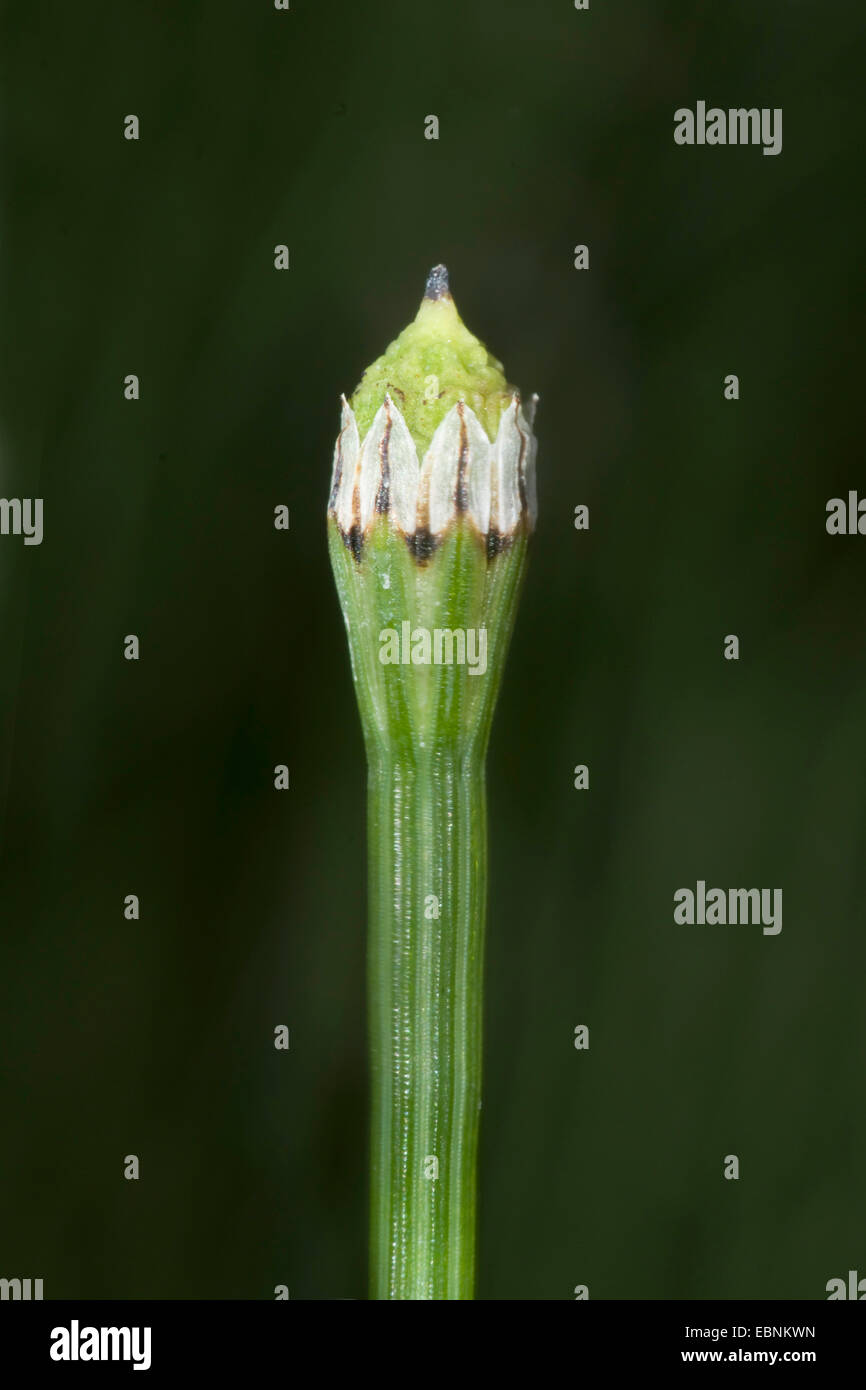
{"type": "Point", "coordinates": [463, 472]}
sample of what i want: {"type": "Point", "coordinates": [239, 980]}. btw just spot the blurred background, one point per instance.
{"type": "Point", "coordinates": [155, 777]}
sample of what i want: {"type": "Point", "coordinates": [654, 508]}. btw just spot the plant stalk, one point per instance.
{"type": "Point", "coordinates": [428, 868]}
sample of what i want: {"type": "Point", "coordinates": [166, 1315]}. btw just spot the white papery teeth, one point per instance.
{"type": "Point", "coordinates": [494, 483]}
{"type": "Point", "coordinates": [346, 459]}
{"type": "Point", "coordinates": [506, 455]}
{"type": "Point", "coordinates": [455, 474]}
{"type": "Point", "coordinates": [373, 464]}
{"type": "Point", "coordinates": [404, 472]}
{"type": "Point", "coordinates": [476, 470]}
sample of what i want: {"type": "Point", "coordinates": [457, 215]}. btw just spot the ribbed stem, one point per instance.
{"type": "Point", "coordinates": [428, 879]}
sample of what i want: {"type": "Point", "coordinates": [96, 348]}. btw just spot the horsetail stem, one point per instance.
{"type": "Point", "coordinates": [432, 503]}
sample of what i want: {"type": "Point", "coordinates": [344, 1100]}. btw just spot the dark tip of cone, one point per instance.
{"type": "Point", "coordinates": [437, 283]}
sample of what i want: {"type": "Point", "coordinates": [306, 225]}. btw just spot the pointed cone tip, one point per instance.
{"type": "Point", "coordinates": [437, 284]}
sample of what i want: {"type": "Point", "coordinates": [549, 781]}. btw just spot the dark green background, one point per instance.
{"type": "Point", "coordinates": [707, 518]}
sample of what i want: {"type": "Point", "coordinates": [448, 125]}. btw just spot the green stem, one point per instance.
{"type": "Point", "coordinates": [428, 881]}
